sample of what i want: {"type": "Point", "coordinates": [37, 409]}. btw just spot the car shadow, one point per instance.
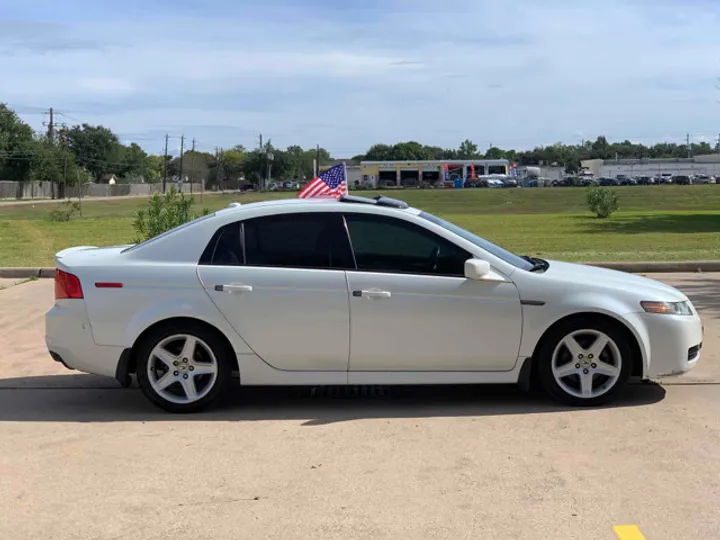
{"type": "Point", "coordinates": [42, 399]}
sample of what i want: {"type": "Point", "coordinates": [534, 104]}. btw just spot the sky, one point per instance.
{"type": "Point", "coordinates": [346, 74]}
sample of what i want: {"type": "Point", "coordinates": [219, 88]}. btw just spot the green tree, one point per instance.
{"type": "Point", "coordinates": [164, 213]}
{"type": "Point", "coordinates": [233, 162]}
{"type": "Point", "coordinates": [96, 148]}
{"type": "Point", "coordinates": [467, 150]}
{"type": "Point", "coordinates": [494, 153]}
{"type": "Point", "coordinates": [379, 152]}
{"type": "Point", "coordinates": [16, 146]}
{"type": "Point", "coordinates": [603, 201]}
{"type": "Point", "coordinates": [53, 163]}
{"type": "Point", "coordinates": [409, 151]}
{"type": "Point", "coordinates": [155, 169]}
{"type": "Point", "coordinates": [134, 162]}
{"type": "Point", "coordinates": [196, 165]}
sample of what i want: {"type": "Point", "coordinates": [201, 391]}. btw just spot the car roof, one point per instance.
{"type": "Point", "coordinates": [343, 204]}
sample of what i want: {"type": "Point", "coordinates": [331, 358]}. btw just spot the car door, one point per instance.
{"type": "Point", "coordinates": [280, 282]}
{"type": "Point", "coordinates": [412, 309]}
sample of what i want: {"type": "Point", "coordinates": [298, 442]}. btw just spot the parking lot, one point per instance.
{"type": "Point", "coordinates": [81, 457]}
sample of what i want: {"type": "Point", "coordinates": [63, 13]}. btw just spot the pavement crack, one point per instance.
{"type": "Point", "coordinates": [220, 501]}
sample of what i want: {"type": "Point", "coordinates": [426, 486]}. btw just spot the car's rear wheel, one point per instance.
{"type": "Point", "coordinates": [585, 362]}
{"type": "Point", "coordinates": [183, 368]}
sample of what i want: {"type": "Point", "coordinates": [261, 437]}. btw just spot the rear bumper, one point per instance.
{"type": "Point", "coordinates": [69, 340]}
{"type": "Point", "coordinates": [673, 342]}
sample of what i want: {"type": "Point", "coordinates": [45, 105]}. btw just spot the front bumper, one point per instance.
{"type": "Point", "coordinates": [69, 339]}
{"type": "Point", "coordinates": [672, 343]}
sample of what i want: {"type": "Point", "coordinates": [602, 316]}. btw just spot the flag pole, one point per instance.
{"type": "Point", "coordinates": [345, 178]}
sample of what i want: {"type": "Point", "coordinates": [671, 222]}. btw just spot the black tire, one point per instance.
{"type": "Point", "coordinates": [552, 340]}
{"type": "Point", "coordinates": [215, 344]}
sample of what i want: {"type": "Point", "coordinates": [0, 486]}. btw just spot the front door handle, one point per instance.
{"type": "Point", "coordinates": [374, 293]}
{"type": "Point", "coordinates": [234, 288]}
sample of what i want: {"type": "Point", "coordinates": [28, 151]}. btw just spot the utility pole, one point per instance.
{"type": "Point", "coordinates": [182, 151]}
{"type": "Point", "coordinates": [165, 164]}
{"type": "Point", "coordinates": [51, 141]}
{"type": "Point", "coordinates": [192, 166]}
{"type": "Point", "coordinates": [51, 128]}
{"type": "Point", "coordinates": [717, 146]}
{"type": "Point", "coordinates": [689, 148]}
{"type": "Point", "coordinates": [317, 156]}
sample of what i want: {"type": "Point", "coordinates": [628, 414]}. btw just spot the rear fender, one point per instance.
{"type": "Point", "coordinates": [175, 308]}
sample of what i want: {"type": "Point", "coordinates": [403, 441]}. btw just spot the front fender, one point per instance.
{"type": "Point", "coordinates": [537, 319]}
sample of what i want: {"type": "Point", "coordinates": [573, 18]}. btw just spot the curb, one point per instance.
{"type": "Point", "coordinates": [26, 273]}
{"type": "Point", "coordinates": [661, 267]}
{"type": "Point", "coordinates": [647, 267]}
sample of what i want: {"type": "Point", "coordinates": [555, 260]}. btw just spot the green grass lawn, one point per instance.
{"type": "Point", "coordinates": [655, 222]}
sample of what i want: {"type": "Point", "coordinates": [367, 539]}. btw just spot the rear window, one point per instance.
{"type": "Point", "coordinates": [171, 231]}
{"type": "Point", "coordinates": [302, 240]}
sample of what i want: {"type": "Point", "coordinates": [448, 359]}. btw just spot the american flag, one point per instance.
{"type": "Point", "coordinates": [331, 183]}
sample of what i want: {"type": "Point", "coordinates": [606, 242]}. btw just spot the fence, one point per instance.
{"type": "Point", "coordinates": [44, 190]}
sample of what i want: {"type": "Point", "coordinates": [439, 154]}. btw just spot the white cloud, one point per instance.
{"type": "Point", "coordinates": [536, 71]}
{"type": "Point", "coordinates": [113, 86]}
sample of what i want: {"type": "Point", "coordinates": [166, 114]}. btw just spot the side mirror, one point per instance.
{"type": "Point", "coordinates": [477, 269]}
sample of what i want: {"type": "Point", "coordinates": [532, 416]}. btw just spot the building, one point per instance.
{"type": "Point", "coordinates": [708, 164]}
{"type": "Point", "coordinates": [108, 178]}
{"type": "Point", "coordinates": [413, 173]}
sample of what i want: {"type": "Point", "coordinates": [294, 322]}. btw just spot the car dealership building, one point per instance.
{"type": "Point", "coordinates": [413, 173]}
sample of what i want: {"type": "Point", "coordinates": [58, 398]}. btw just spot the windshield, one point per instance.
{"type": "Point", "coordinates": [488, 246]}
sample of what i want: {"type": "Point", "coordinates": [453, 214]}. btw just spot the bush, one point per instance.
{"type": "Point", "coordinates": [164, 213]}
{"type": "Point", "coordinates": [65, 211]}
{"type": "Point", "coordinates": [602, 200]}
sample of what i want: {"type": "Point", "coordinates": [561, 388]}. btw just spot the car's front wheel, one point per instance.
{"type": "Point", "coordinates": [585, 362]}
{"type": "Point", "coordinates": [182, 368]}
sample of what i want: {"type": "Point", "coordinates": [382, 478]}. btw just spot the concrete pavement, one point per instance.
{"type": "Point", "coordinates": [82, 458]}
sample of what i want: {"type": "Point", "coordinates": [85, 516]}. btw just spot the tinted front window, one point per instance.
{"type": "Point", "coordinates": [383, 244]}
{"type": "Point", "coordinates": [488, 246]}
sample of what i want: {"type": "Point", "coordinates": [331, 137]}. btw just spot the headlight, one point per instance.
{"type": "Point", "coordinates": [668, 308]}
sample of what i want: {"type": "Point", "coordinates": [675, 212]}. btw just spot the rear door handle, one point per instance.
{"type": "Point", "coordinates": [374, 293]}
{"type": "Point", "coordinates": [234, 288]}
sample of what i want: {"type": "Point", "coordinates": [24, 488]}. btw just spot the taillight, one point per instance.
{"type": "Point", "coordinates": [67, 285]}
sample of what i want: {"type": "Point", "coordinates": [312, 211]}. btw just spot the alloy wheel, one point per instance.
{"type": "Point", "coordinates": [182, 369]}
{"type": "Point", "coordinates": [586, 363]}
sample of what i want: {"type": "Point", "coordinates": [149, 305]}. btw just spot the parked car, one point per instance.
{"type": "Point", "coordinates": [509, 182]}
{"type": "Point", "coordinates": [681, 180]}
{"type": "Point", "coordinates": [664, 178]}
{"type": "Point", "coordinates": [568, 181]}
{"type": "Point", "coordinates": [495, 183]}
{"type": "Point", "coordinates": [607, 181]}
{"type": "Point", "coordinates": [645, 180]}
{"type": "Point", "coordinates": [703, 179]}
{"type": "Point", "coordinates": [291, 185]}
{"type": "Point", "coordinates": [359, 291]}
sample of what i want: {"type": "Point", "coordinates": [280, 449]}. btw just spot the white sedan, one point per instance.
{"type": "Point", "coordinates": [356, 292]}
